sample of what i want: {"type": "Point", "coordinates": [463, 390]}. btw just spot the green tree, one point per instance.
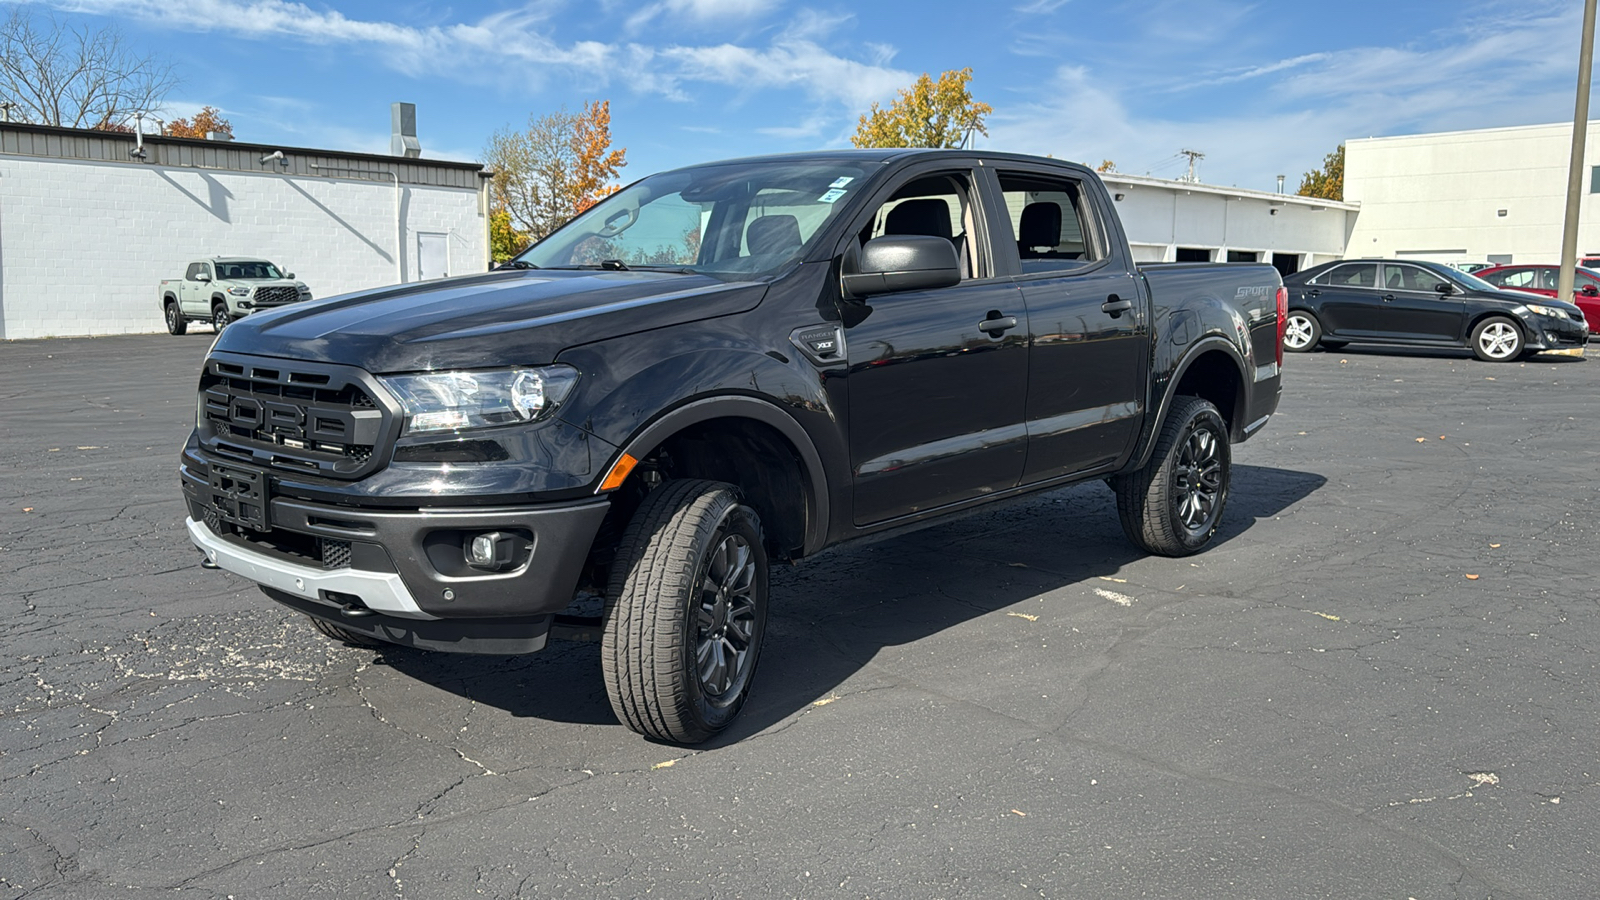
{"type": "Point", "coordinates": [560, 166]}
{"type": "Point", "coordinates": [1328, 181]}
{"type": "Point", "coordinates": [928, 114]}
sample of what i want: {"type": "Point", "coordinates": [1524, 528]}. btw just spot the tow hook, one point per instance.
{"type": "Point", "coordinates": [206, 562]}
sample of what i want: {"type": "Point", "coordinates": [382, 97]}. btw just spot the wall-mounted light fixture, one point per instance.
{"type": "Point", "coordinates": [1117, 196]}
{"type": "Point", "coordinates": [276, 155]}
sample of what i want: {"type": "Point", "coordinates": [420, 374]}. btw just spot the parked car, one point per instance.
{"type": "Point", "coordinates": [1471, 267]}
{"type": "Point", "coordinates": [1543, 280]}
{"type": "Point", "coordinates": [1590, 262]}
{"type": "Point", "coordinates": [1385, 301]}
{"type": "Point", "coordinates": [712, 368]}
{"type": "Point", "coordinates": [222, 289]}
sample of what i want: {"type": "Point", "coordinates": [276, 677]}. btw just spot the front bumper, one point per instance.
{"type": "Point", "coordinates": [404, 564]}
{"type": "Point", "coordinates": [1546, 334]}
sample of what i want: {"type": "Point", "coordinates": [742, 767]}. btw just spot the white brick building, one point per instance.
{"type": "Point", "coordinates": [87, 228]}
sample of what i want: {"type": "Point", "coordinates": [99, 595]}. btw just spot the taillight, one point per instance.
{"type": "Point", "coordinates": [1283, 320]}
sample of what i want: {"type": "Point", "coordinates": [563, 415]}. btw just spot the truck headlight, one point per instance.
{"type": "Point", "coordinates": [1550, 311]}
{"type": "Point", "coordinates": [450, 401]}
{"type": "Point", "coordinates": [239, 291]}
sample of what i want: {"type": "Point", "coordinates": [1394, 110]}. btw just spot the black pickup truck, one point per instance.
{"type": "Point", "coordinates": [715, 368]}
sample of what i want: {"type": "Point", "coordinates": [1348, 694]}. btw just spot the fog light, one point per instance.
{"type": "Point", "coordinates": [490, 550]}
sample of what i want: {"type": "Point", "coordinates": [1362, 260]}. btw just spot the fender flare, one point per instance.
{"type": "Point", "coordinates": [1196, 350]}
{"type": "Point", "coordinates": [745, 407]}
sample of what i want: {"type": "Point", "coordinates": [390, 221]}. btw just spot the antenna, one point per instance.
{"type": "Point", "coordinates": [1194, 157]}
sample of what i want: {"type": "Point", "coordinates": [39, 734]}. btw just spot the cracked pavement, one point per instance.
{"type": "Point", "coordinates": [1327, 703]}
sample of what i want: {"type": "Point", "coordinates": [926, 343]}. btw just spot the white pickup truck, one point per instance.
{"type": "Point", "coordinates": [224, 288]}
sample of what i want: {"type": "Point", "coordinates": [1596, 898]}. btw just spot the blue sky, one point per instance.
{"type": "Point", "coordinates": [1261, 88]}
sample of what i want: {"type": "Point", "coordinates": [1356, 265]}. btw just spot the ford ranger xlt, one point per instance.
{"type": "Point", "coordinates": [713, 369]}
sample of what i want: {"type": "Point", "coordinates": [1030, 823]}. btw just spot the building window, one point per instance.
{"type": "Point", "coordinates": [1594, 179]}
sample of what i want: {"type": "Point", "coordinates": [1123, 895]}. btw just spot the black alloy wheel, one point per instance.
{"type": "Point", "coordinates": [686, 610]}
{"type": "Point", "coordinates": [176, 323]}
{"type": "Point", "coordinates": [220, 317]}
{"type": "Point", "coordinates": [1173, 505]}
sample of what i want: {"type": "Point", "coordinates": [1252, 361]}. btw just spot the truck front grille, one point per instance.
{"type": "Point", "coordinates": [303, 417]}
{"type": "Point", "coordinates": [276, 296]}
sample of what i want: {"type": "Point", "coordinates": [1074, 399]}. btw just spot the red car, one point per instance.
{"type": "Point", "coordinates": [1542, 280]}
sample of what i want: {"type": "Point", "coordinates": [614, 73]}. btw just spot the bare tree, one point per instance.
{"type": "Point", "coordinates": [54, 73]}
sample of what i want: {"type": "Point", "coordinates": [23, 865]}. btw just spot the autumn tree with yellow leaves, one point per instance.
{"type": "Point", "coordinates": [208, 119]}
{"type": "Point", "coordinates": [928, 114]}
{"type": "Point", "coordinates": [561, 165]}
{"type": "Point", "coordinates": [1328, 181]}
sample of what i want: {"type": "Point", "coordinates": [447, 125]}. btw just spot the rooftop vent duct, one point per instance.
{"type": "Point", "coordinates": [219, 135]}
{"type": "Point", "coordinates": [403, 136]}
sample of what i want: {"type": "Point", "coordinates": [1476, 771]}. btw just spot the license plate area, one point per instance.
{"type": "Point", "coordinates": [240, 496]}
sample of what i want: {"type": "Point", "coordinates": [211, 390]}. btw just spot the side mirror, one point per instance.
{"type": "Point", "coordinates": [289, 275]}
{"type": "Point", "coordinates": [1445, 287]}
{"type": "Point", "coordinates": [203, 276]}
{"type": "Point", "coordinates": [1589, 290]}
{"type": "Point", "coordinates": [900, 262]}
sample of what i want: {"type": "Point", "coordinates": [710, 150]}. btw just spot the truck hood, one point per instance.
{"type": "Point", "coordinates": [493, 319]}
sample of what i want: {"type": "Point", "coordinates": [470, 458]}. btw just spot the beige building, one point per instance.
{"type": "Point", "coordinates": [1492, 195]}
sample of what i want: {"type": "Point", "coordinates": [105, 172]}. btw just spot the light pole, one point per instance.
{"type": "Point", "coordinates": [1580, 131]}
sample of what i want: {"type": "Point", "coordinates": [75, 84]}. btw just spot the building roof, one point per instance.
{"type": "Point", "coordinates": [124, 147]}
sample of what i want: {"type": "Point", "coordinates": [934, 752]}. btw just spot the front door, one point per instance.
{"type": "Point", "coordinates": [936, 403]}
{"type": "Point", "coordinates": [194, 295]}
{"type": "Point", "coordinates": [1413, 307]}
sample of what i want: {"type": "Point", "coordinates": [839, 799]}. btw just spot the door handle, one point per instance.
{"type": "Point", "coordinates": [997, 324]}
{"type": "Point", "coordinates": [1386, 298]}
{"type": "Point", "coordinates": [1116, 306]}
{"type": "Point", "coordinates": [1313, 292]}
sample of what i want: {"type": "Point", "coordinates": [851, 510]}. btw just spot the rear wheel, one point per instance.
{"type": "Point", "coordinates": [1301, 331]}
{"type": "Point", "coordinates": [176, 323]}
{"type": "Point", "coordinates": [1497, 339]}
{"type": "Point", "coordinates": [220, 317]}
{"type": "Point", "coordinates": [686, 611]}
{"type": "Point", "coordinates": [1173, 505]}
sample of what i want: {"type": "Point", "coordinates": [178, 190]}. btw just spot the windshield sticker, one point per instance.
{"type": "Point", "coordinates": [832, 195]}
{"type": "Point", "coordinates": [841, 181]}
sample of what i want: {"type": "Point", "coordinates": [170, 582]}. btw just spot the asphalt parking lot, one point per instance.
{"type": "Point", "coordinates": [1381, 682]}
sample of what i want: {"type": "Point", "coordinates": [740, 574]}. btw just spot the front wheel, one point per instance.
{"type": "Point", "coordinates": [176, 323]}
{"type": "Point", "coordinates": [1301, 331]}
{"type": "Point", "coordinates": [1497, 339]}
{"type": "Point", "coordinates": [685, 613]}
{"type": "Point", "coordinates": [1173, 505]}
{"type": "Point", "coordinates": [220, 317]}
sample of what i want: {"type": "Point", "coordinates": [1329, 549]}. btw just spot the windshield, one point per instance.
{"type": "Point", "coordinates": [1474, 282]}
{"type": "Point", "coordinates": [734, 219]}
{"type": "Point", "coordinates": [247, 270]}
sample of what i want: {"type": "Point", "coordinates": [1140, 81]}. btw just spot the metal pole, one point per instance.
{"type": "Point", "coordinates": [1580, 131]}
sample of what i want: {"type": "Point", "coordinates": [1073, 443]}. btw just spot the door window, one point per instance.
{"type": "Point", "coordinates": [1048, 219]}
{"type": "Point", "coordinates": [1549, 279]}
{"type": "Point", "coordinates": [1361, 275]}
{"type": "Point", "coordinates": [1409, 278]}
{"type": "Point", "coordinates": [194, 271]}
{"type": "Point", "coordinates": [1516, 278]}
{"type": "Point", "coordinates": [937, 206]}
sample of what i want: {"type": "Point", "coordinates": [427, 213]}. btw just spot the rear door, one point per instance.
{"type": "Point", "coordinates": [936, 402]}
{"type": "Point", "coordinates": [1345, 299]}
{"type": "Point", "coordinates": [1414, 308]}
{"type": "Point", "coordinates": [1087, 334]}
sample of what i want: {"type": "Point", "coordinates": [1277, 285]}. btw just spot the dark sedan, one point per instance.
{"type": "Point", "coordinates": [1384, 301]}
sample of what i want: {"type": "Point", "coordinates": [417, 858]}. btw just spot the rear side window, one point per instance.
{"type": "Point", "coordinates": [1410, 278]}
{"type": "Point", "coordinates": [1049, 219]}
{"type": "Point", "coordinates": [1351, 275]}
{"type": "Point", "coordinates": [1516, 278]}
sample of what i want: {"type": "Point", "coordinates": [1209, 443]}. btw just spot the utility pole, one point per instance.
{"type": "Point", "coordinates": [1580, 131]}
{"type": "Point", "coordinates": [1194, 157]}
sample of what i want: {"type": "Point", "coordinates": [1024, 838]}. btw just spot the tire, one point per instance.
{"type": "Point", "coordinates": [685, 613]}
{"type": "Point", "coordinates": [176, 323]}
{"type": "Point", "coordinates": [220, 317]}
{"type": "Point", "coordinates": [1172, 506]}
{"type": "Point", "coordinates": [1301, 332]}
{"type": "Point", "coordinates": [353, 638]}
{"type": "Point", "coordinates": [1497, 339]}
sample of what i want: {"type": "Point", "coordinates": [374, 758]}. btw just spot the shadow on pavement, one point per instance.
{"type": "Point", "coordinates": [833, 613]}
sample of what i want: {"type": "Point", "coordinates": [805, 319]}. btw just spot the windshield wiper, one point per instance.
{"type": "Point", "coordinates": [516, 264]}
{"type": "Point", "coordinates": [613, 265]}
